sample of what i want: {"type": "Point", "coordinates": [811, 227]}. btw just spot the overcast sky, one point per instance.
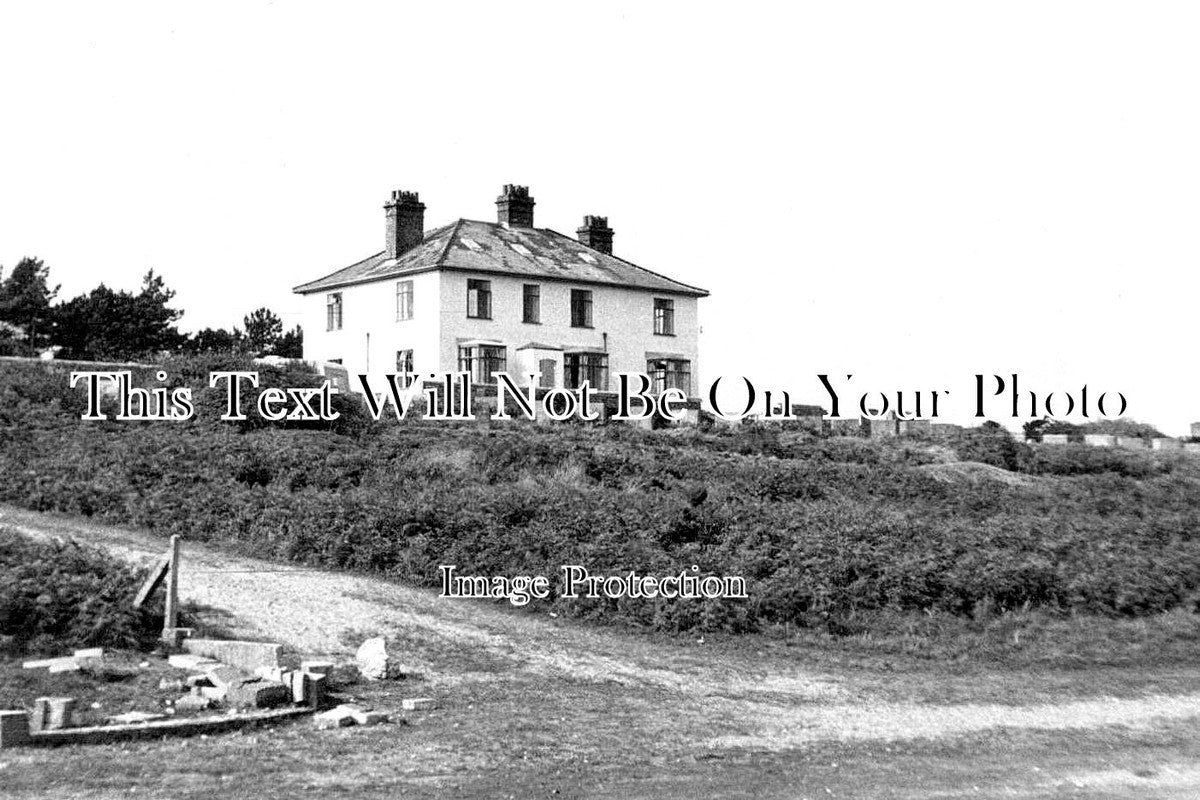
{"type": "Point", "coordinates": [910, 192]}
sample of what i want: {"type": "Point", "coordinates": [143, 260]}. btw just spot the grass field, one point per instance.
{"type": "Point", "coordinates": [537, 706]}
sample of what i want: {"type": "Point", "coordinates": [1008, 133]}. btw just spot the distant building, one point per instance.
{"type": "Point", "coordinates": [503, 296]}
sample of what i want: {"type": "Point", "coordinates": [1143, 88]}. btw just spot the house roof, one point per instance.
{"type": "Point", "coordinates": [482, 247]}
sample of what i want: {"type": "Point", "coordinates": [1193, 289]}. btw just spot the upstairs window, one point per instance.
{"type": "Point", "coordinates": [590, 367]}
{"type": "Point", "coordinates": [581, 308]}
{"type": "Point", "coordinates": [532, 303]}
{"type": "Point", "coordinates": [404, 300]}
{"type": "Point", "coordinates": [479, 299]}
{"type": "Point", "coordinates": [664, 316]}
{"type": "Point", "coordinates": [404, 367]}
{"type": "Point", "coordinates": [480, 361]}
{"type": "Point", "coordinates": [333, 312]}
{"type": "Point", "coordinates": [670, 373]}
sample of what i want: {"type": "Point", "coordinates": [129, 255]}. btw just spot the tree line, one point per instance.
{"type": "Point", "coordinates": [109, 325]}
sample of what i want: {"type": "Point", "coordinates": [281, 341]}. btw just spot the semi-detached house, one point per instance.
{"type": "Point", "coordinates": [483, 297]}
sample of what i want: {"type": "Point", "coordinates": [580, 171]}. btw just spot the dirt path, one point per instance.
{"type": "Point", "coordinates": [741, 701]}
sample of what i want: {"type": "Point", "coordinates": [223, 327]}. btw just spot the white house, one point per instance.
{"type": "Point", "coordinates": [505, 296]}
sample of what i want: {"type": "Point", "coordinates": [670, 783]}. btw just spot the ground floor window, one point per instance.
{"type": "Point", "coordinates": [670, 373]}
{"type": "Point", "coordinates": [590, 367]}
{"type": "Point", "coordinates": [481, 360]}
{"type": "Point", "coordinates": [404, 367]}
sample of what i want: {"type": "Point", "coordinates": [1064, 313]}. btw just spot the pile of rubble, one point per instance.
{"type": "Point", "coordinates": [244, 678]}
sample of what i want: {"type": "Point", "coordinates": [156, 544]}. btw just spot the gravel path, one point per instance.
{"type": "Point", "coordinates": [740, 700]}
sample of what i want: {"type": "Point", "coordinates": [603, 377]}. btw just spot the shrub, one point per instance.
{"type": "Point", "coordinates": [55, 596]}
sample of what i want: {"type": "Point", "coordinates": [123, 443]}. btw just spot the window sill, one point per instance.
{"type": "Point", "coordinates": [585, 327]}
{"type": "Point", "coordinates": [471, 317]}
{"type": "Point", "coordinates": [531, 322]}
{"type": "Point", "coordinates": [671, 335]}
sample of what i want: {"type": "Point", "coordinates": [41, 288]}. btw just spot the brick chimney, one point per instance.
{"type": "Point", "coordinates": [596, 234]}
{"type": "Point", "coordinates": [514, 208]}
{"type": "Point", "coordinates": [405, 222]}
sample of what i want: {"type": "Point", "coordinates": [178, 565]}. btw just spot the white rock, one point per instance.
{"type": "Point", "coordinates": [372, 659]}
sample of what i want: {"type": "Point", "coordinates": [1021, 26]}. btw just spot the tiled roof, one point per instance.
{"type": "Point", "coordinates": [490, 247]}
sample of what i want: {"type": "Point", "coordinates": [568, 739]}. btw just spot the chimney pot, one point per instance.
{"type": "Point", "coordinates": [405, 222]}
{"type": "Point", "coordinates": [514, 208]}
{"type": "Point", "coordinates": [596, 234]}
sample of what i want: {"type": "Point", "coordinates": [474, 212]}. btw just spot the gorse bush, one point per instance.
{"type": "Point", "coordinates": [825, 530]}
{"type": "Point", "coordinates": [55, 596]}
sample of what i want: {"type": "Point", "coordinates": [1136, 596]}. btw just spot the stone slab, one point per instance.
{"type": "Point", "coordinates": [339, 717]}
{"type": "Point", "coordinates": [191, 661]}
{"type": "Point", "coordinates": [194, 702]}
{"type": "Point", "coordinates": [225, 676]}
{"type": "Point", "coordinates": [244, 655]}
{"type": "Point", "coordinates": [370, 717]}
{"type": "Point", "coordinates": [135, 717]}
{"type": "Point", "coordinates": [156, 729]}
{"type": "Point", "coordinates": [419, 703]}
{"type": "Point", "coordinates": [50, 663]}
{"type": "Point", "coordinates": [258, 694]}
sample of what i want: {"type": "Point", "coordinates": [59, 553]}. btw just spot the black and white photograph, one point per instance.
{"type": "Point", "coordinates": [599, 400]}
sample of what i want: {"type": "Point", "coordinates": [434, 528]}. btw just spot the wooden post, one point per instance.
{"type": "Point", "coordinates": [171, 617]}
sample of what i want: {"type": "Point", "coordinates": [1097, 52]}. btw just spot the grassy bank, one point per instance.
{"type": "Point", "coordinates": [839, 536]}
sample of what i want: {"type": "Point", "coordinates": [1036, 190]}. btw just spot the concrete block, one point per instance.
{"type": "Point", "coordinates": [226, 676]}
{"type": "Point", "coordinates": [1099, 439]}
{"type": "Point", "coordinates": [245, 655]}
{"type": "Point", "coordinates": [171, 685]}
{"type": "Point", "coordinates": [315, 689]}
{"type": "Point", "coordinates": [338, 717]}
{"type": "Point", "coordinates": [258, 694]}
{"type": "Point", "coordinates": [194, 702]}
{"type": "Point", "coordinates": [14, 728]}
{"type": "Point", "coordinates": [198, 680]}
{"type": "Point", "coordinates": [1164, 443]}
{"type": "Point", "coordinates": [419, 703]}
{"type": "Point", "coordinates": [90, 652]}
{"type": "Point", "coordinates": [52, 713]}
{"type": "Point", "coordinates": [40, 716]}
{"type": "Point", "coordinates": [68, 665]}
{"type": "Point", "coordinates": [62, 713]}
{"type": "Point", "coordinates": [64, 663]}
{"type": "Point", "coordinates": [370, 717]}
{"type": "Point", "coordinates": [319, 667]}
